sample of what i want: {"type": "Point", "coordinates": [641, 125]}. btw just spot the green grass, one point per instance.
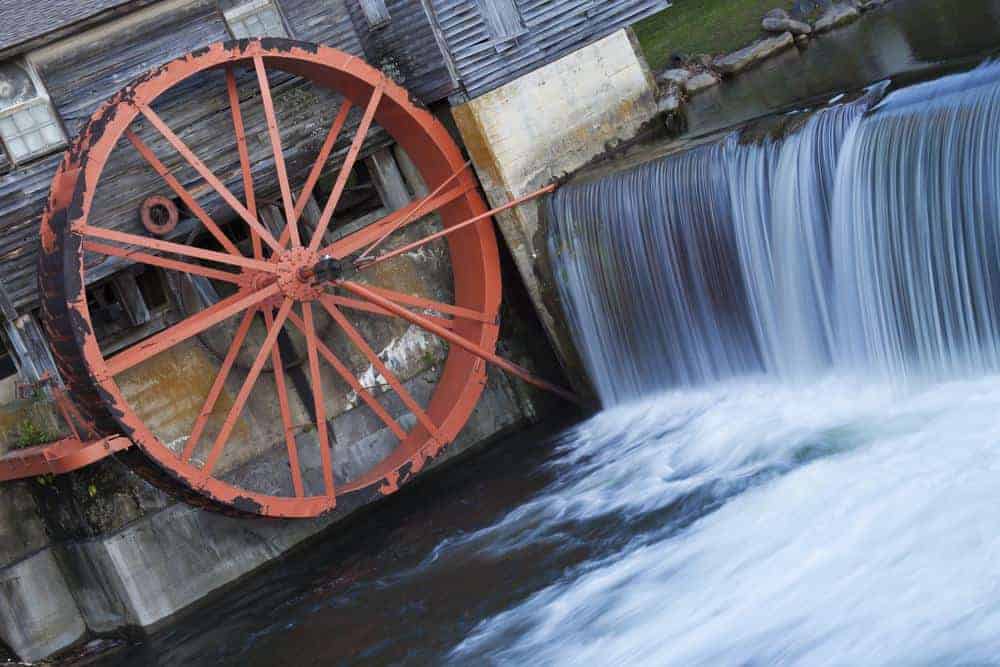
{"type": "Point", "coordinates": [693, 27]}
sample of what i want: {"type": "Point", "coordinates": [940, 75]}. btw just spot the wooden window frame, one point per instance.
{"type": "Point", "coordinates": [376, 20]}
{"type": "Point", "coordinates": [501, 42]}
{"type": "Point", "coordinates": [238, 11]}
{"type": "Point", "coordinates": [41, 98]}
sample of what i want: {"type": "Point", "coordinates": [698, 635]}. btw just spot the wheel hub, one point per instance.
{"type": "Point", "coordinates": [298, 274]}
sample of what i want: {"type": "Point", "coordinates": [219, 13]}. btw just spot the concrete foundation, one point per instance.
{"type": "Point", "coordinates": [166, 558]}
{"type": "Point", "coordinates": [38, 615]}
{"type": "Point", "coordinates": [533, 131]}
{"type": "Point", "coordinates": [100, 549]}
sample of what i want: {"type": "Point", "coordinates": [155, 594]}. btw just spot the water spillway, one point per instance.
{"type": "Point", "coordinates": [794, 332]}
{"type": "Point", "coordinates": [861, 238]}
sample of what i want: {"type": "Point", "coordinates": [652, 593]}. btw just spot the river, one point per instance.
{"type": "Point", "coordinates": [796, 337]}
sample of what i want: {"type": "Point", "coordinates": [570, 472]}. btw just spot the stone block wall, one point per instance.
{"type": "Point", "coordinates": [536, 129]}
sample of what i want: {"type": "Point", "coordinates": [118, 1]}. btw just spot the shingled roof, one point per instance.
{"type": "Point", "coordinates": [24, 20]}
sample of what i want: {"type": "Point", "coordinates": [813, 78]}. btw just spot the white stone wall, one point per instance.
{"type": "Point", "coordinates": [548, 123]}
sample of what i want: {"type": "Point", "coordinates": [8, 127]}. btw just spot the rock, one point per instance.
{"type": "Point", "coordinates": [677, 77]}
{"type": "Point", "coordinates": [670, 100]}
{"type": "Point", "coordinates": [805, 10]}
{"type": "Point", "coordinates": [702, 59]}
{"type": "Point", "coordinates": [744, 58]}
{"type": "Point", "coordinates": [776, 23]}
{"type": "Point", "coordinates": [701, 81]}
{"type": "Point", "coordinates": [868, 5]}
{"type": "Point", "coordinates": [836, 16]}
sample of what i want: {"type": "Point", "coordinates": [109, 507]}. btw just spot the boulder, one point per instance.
{"type": "Point", "coordinates": [744, 58]}
{"type": "Point", "coordinates": [836, 16]}
{"type": "Point", "coordinates": [677, 77]}
{"type": "Point", "coordinates": [805, 10]}
{"type": "Point", "coordinates": [670, 100]}
{"type": "Point", "coordinates": [868, 5]}
{"type": "Point", "coordinates": [701, 81]}
{"type": "Point", "coordinates": [778, 20]}
{"type": "Point", "coordinates": [702, 59]}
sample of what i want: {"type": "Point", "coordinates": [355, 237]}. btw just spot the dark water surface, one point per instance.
{"type": "Point", "coordinates": [904, 37]}
{"type": "Point", "coordinates": [376, 590]}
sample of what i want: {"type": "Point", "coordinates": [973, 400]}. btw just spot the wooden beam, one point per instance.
{"type": "Point", "coordinates": [31, 351]}
{"type": "Point", "coordinates": [130, 297]}
{"type": "Point", "coordinates": [410, 172]}
{"type": "Point", "coordinates": [388, 179]}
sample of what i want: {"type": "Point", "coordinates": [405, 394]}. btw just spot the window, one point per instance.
{"type": "Point", "coordinates": [502, 18]}
{"type": "Point", "coordinates": [376, 13]}
{"type": "Point", "coordinates": [256, 18]}
{"type": "Point", "coordinates": [29, 126]}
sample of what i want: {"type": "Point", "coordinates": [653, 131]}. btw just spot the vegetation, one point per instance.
{"type": "Point", "coordinates": [692, 27]}
{"type": "Point", "coordinates": [30, 435]}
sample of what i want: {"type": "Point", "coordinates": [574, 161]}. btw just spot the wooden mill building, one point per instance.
{"type": "Point", "coordinates": [529, 89]}
{"type": "Point", "coordinates": [59, 59]}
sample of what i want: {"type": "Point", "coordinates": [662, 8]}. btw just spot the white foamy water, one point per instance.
{"type": "Point", "coordinates": [797, 336]}
{"type": "Point", "coordinates": [845, 523]}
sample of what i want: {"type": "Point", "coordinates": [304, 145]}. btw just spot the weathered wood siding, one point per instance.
{"type": "Point", "coordinates": [26, 19]}
{"type": "Point", "coordinates": [406, 48]}
{"type": "Point", "coordinates": [83, 71]}
{"type": "Point", "coordinates": [553, 28]}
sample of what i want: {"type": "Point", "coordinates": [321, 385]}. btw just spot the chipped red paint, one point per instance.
{"type": "Point", "coordinates": [90, 377]}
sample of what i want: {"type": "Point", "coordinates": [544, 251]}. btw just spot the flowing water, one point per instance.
{"type": "Point", "coordinates": [794, 331]}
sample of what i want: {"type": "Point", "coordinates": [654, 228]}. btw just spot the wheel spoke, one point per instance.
{"type": "Point", "coordinates": [249, 217]}
{"type": "Point", "coordinates": [454, 228]}
{"type": "Point", "coordinates": [163, 262]}
{"type": "Point", "coordinates": [366, 293]}
{"type": "Point", "coordinates": [367, 307]}
{"type": "Point", "coordinates": [348, 166]}
{"type": "Point", "coordinates": [383, 370]}
{"type": "Point", "coordinates": [220, 381]}
{"type": "Point", "coordinates": [415, 212]}
{"type": "Point", "coordinates": [239, 129]}
{"type": "Point", "coordinates": [345, 373]}
{"type": "Point", "coordinates": [429, 304]}
{"type": "Point", "coordinates": [318, 401]}
{"type": "Point", "coordinates": [189, 327]}
{"type": "Point", "coordinates": [175, 248]}
{"type": "Point", "coordinates": [286, 412]}
{"type": "Point", "coordinates": [363, 237]}
{"type": "Point", "coordinates": [147, 153]}
{"type": "Point", "coordinates": [317, 168]}
{"type": "Point", "coordinates": [324, 155]}
{"type": "Point", "coordinates": [241, 398]}
{"type": "Point", "coordinates": [279, 154]}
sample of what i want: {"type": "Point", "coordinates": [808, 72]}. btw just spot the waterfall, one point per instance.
{"type": "Point", "coordinates": [861, 237]}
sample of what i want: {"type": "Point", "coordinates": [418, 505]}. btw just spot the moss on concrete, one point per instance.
{"type": "Point", "coordinates": [702, 26]}
{"type": "Point", "coordinates": [29, 422]}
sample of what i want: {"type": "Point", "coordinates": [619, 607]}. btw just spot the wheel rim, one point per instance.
{"type": "Point", "coordinates": [275, 282]}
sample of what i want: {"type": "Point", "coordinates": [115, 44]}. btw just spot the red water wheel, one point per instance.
{"type": "Point", "coordinates": [291, 297]}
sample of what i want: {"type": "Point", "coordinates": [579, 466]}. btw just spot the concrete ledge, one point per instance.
{"type": "Point", "coordinates": [38, 616]}
{"type": "Point", "coordinates": [166, 561]}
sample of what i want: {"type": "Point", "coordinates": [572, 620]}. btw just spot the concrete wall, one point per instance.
{"type": "Point", "coordinates": [100, 549]}
{"type": "Point", "coordinates": [548, 123]}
